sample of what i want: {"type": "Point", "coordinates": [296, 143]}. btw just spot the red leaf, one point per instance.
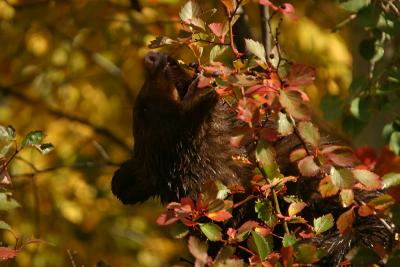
{"type": "Point", "coordinates": [204, 82]}
{"type": "Point", "coordinates": [288, 10]}
{"type": "Point", "coordinates": [367, 156]}
{"type": "Point", "coordinates": [342, 159]}
{"type": "Point", "coordinates": [268, 134]}
{"type": "Point", "coordinates": [224, 90]}
{"type": "Point", "coordinates": [7, 253]}
{"type": "Point", "coordinates": [219, 216]}
{"type": "Point", "coordinates": [166, 218]}
{"type": "Point", "coordinates": [246, 110]}
{"type": "Point", "coordinates": [287, 256]}
{"type": "Point", "coordinates": [268, 3]}
{"type": "Point", "coordinates": [345, 221]}
{"type": "Point", "coordinates": [300, 74]}
{"type": "Point", "coordinates": [217, 29]}
{"type": "Point", "coordinates": [365, 210]}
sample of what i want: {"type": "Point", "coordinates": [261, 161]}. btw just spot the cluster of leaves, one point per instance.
{"type": "Point", "coordinates": [266, 92]}
{"type": "Point", "coordinates": [379, 89]}
{"type": "Point", "coordinates": [9, 150]}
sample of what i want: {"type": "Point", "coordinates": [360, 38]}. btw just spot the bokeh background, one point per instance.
{"type": "Point", "coordinates": [72, 69]}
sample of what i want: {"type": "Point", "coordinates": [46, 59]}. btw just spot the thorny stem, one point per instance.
{"type": "Point", "coordinates": [230, 19]}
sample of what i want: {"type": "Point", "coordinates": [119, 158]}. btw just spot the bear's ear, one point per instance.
{"type": "Point", "coordinates": [130, 185]}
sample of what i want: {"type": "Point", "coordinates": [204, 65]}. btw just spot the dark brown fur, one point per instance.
{"type": "Point", "coordinates": [182, 135]}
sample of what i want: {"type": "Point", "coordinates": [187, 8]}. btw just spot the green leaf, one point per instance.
{"type": "Point", "coordinates": [223, 191]}
{"type": "Point", "coordinates": [309, 132]}
{"type": "Point", "coordinates": [323, 223]}
{"type": "Point", "coordinates": [342, 178]}
{"type": "Point", "coordinates": [265, 155]}
{"type": "Point", "coordinates": [361, 108]}
{"type": "Point", "coordinates": [216, 51]}
{"type": "Point", "coordinates": [7, 134]}
{"type": "Point", "coordinates": [7, 203]}
{"type": "Point", "coordinates": [354, 5]}
{"type": "Point", "coordinates": [5, 226]}
{"type": "Point", "coordinates": [391, 179]}
{"type": "Point", "coordinates": [293, 103]}
{"type": "Point", "coordinates": [212, 231]}
{"type": "Point", "coordinates": [256, 48]}
{"type": "Point", "coordinates": [306, 253]}
{"type": "Point", "coordinates": [189, 11]}
{"type": "Point", "coordinates": [33, 138]}
{"type": "Point", "coordinates": [368, 179]}
{"type": "Point", "coordinates": [45, 148]}
{"type": "Point", "coordinates": [6, 149]}
{"type": "Point", "coordinates": [263, 246]}
{"type": "Point", "coordinates": [265, 212]}
{"type": "Point", "coordinates": [285, 127]}
{"type": "Point", "coordinates": [288, 240]}
{"type": "Point", "coordinates": [394, 142]}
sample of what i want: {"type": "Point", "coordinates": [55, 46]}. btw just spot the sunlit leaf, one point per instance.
{"type": "Point", "coordinates": [345, 221]}
{"type": "Point", "coordinates": [342, 178]}
{"type": "Point", "coordinates": [196, 49]}
{"type": "Point", "coordinates": [293, 103]}
{"type": "Point", "coordinates": [327, 188]}
{"type": "Point", "coordinates": [45, 148]}
{"type": "Point", "coordinates": [256, 49]}
{"type": "Point", "coordinates": [288, 240]}
{"type": "Point", "coordinates": [391, 179]}
{"type": "Point", "coordinates": [323, 223]}
{"type": "Point", "coordinates": [7, 203]}
{"type": "Point", "coordinates": [308, 167]}
{"type": "Point", "coordinates": [309, 132]}
{"type": "Point", "coordinates": [7, 133]}
{"type": "Point", "coordinates": [217, 51]}
{"type": "Point", "coordinates": [263, 246]}
{"type": "Point", "coordinates": [33, 138]}
{"type": "Point", "coordinates": [219, 216]}
{"type": "Point", "coordinates": [296, 207]}
{"type": "Point", "coordinates": [368, 179]}
{"type": "Point", "coordinates": [212, 231]}
{"type": "Point", "coordinates": [347, 197]}
{"type": "Point", "coordinates": [5, 226]}
{"type": "Point", "coordinates": [189, 11]}
{"type": "Point", "coordinates": [285, 127]}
